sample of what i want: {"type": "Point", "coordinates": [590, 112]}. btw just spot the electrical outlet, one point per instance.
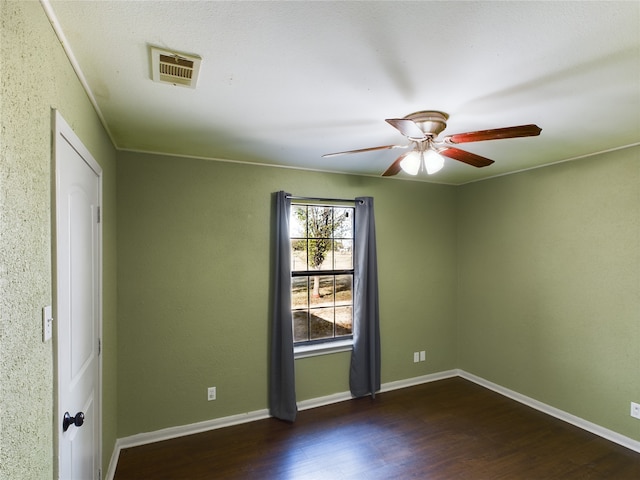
{"type": "Point", "coordinates": [416, 357]}
{"type": "Point", "coordinates": [211, 393]}
{"type": "Point", "coordinates": [635, 410]}
{"type": "Point", "coordinates": [423, 356]}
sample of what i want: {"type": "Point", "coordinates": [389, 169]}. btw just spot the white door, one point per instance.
{"type": "Point", "coordinates": [78, 305]}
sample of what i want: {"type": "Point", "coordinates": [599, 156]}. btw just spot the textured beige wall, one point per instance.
{"type": "Point", "coordinates": [36, 76]}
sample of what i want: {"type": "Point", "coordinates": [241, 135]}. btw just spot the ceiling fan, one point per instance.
{"type": "Point", "coordinates": [422, 129]}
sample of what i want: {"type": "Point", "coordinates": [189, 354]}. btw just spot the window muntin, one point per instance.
{"type": "Point", "coordinates": [322, 272]}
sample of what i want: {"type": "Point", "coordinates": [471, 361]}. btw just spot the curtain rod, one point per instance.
{"type": "Point", "coordinates": [317, 199]}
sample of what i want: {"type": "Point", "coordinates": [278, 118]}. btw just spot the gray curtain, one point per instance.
{"type": "Point", "coordinates": [364, 375]}
{"type": "Point", "coordinates": [282, 388]}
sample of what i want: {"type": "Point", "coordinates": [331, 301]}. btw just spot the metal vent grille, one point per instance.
{"type": "Point", "coordinates": [174, 68]}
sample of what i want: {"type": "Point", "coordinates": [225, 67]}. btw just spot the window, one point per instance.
{"type": "Point", "coordinates": [322, 272]}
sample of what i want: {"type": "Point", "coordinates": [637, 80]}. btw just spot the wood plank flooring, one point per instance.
{"type": "Point", "coordinates": [445, 430]}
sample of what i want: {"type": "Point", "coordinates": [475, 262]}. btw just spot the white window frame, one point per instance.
{"type": "Point", "coordinates": [335, 345]}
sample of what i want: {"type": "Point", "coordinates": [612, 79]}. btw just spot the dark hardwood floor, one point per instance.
{"type": "Point", "coordinates": [449, 429]}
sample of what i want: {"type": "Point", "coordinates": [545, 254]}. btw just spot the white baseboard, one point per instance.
{"type": "Point", "coordinates": [555, 412]}
{"type": "Point", "coordinates": [385, 387]}
{"type": "Point", "coordinates": [180, 431]}
{"type": "Point", "coordinates": [411, 382]}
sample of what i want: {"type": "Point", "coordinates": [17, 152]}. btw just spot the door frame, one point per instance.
{"type": "Point", "coordinates": [62, 132]}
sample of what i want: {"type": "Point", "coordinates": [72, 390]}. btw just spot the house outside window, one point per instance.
{"type": "Point", "coordinates": [322, 238]}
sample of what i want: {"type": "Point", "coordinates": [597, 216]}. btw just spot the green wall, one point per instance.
{"type": "Point", "coordinates": [529, 280]}
{"type": "Point", "coordinates": [549, 285]}
{"type": "Point", "coordinates": [194, 243]}
{"type": "Point", "coordinates": [37, 76]}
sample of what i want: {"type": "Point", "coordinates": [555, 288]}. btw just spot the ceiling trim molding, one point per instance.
{"type": "Point", "coordinates": [579, 157]}
{"type": "Point", "coordinates": [413, 179]}
{"type": "Point", "coordinates": [288, 167]}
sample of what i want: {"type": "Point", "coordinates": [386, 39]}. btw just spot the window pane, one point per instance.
{"type": "Point", "coordinates": [344, 290]}
{"type": "Point", "coordinates": [299, 292]}
{"type": "Point", "coordinates": [322, 293]}
{"type": "Point", "coordinates": [320, 222]}
{"type": "Point", "coordinates": [321, 254]}
{"type": "Point", "coordinates": [299, 255]}
{"type": "Point", "coordinates": [298, 222]}
{"type": "Point", "coordinates": [321, 323]}
{"type": "Point", "coordinates": [343, 222]}
{"type": "Point", "coordinates": [300, 326]}
{"type": "Point", "coordinates": [344, 321]}
{"type": "Point", "coordinates": [343, 254]}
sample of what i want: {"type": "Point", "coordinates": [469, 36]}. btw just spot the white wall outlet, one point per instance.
{"type": "Point", "coordinates": [416, 357]}
{"type": "Point", "coordinates": [423, 356]}
{"type": "Point", "coordinates": [211, 393]}
{"type": "Point", "coordinates": [635, 410]}
{"type": "Point", "coordinates": [47, 323]}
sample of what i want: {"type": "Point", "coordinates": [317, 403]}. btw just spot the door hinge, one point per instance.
{"type": "Point", "coordinates": [99, 474]}
{"type": "Point", "coordinates": [98, 214]}
{"type": "Point", "coordinates": [99, 346]}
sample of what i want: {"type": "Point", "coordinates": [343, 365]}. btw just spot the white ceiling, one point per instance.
{"type": "Point", "coordinates": [284, 82]}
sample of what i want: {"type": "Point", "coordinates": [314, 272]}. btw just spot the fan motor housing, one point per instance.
{"type": "Point", "coordinates": [431, 122]}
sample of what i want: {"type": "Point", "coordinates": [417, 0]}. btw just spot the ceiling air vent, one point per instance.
{"type": "Point", "coordinates": [174, 68]}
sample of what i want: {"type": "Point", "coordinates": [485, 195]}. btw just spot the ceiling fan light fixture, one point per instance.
{"type": "Point", "coordinates": [411, 163]}
{"type": "Point", "coordinates": [422, 130]}
{"type": "Point", "coordinates": [417, 161]}
{"type": "Point", "coordinates": [433, 161]}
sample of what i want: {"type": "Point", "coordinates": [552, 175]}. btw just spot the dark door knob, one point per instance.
{"type": "Point", "coordinates": [68, 420]}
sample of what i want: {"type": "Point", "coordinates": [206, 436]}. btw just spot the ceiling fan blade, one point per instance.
{"type": "Point", "coordinates": [407, 127]}
{"type": "Point", "coordinates": [361, 150]}
{"type": "Point", "coordinates": [465, 157]}
{"type": "Point", "coordinates": [495, 134]}
{"type": "Point", "coordinates": [394, 168]}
